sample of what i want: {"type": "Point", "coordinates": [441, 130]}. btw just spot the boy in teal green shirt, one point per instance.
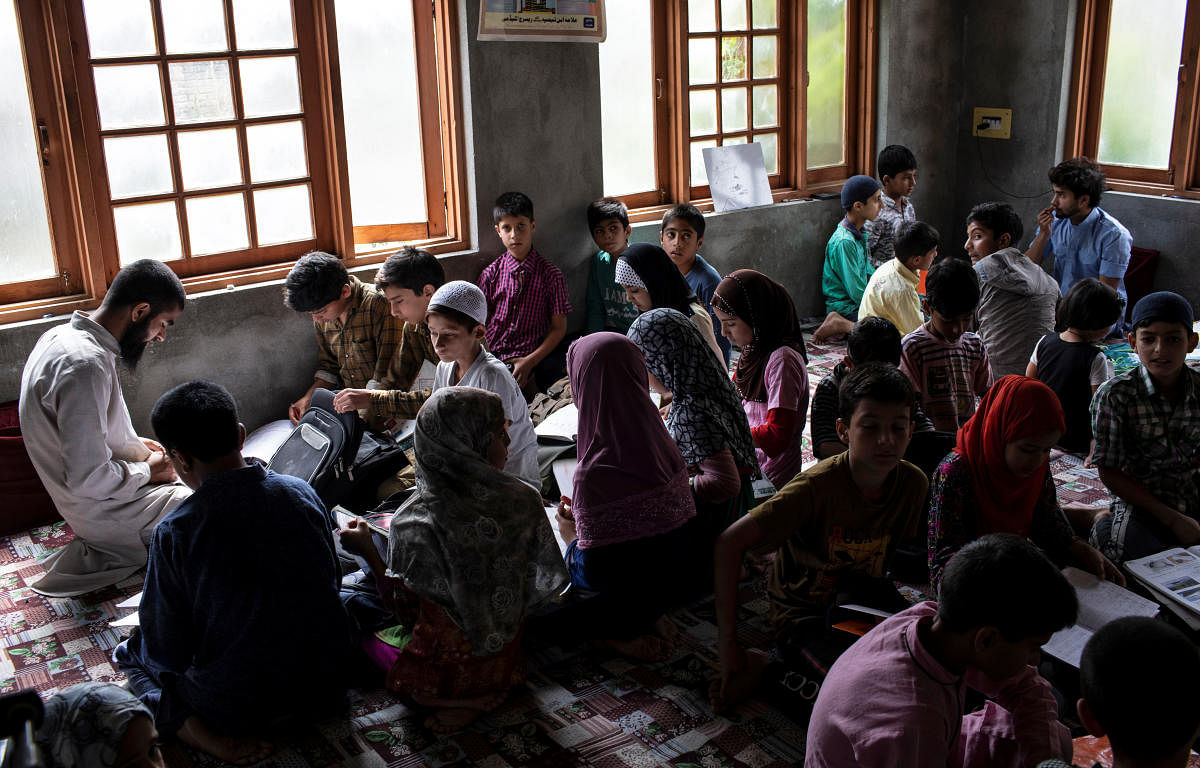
{"type": "Point", "coordinates": [847, 268]}
{"type": "Point", "coordinates": [607, 309]}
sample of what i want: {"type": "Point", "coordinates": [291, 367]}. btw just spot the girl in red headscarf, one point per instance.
{"type": "Point", "coordinates": [997, 480]}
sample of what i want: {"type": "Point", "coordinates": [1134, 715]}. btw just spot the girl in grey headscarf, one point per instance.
{"type": "Point", "coordinates": [98, 725]}
{"type": "Point", "coordinates": [468, 557]}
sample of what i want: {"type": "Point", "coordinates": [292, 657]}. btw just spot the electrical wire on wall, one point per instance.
{"type": "Point", "coordinates": [982, 167]}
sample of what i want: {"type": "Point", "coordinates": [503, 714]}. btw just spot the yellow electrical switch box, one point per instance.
{"type": "Point", "coordinates": [992, 123]}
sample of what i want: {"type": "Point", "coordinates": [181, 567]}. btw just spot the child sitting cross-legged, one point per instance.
{"type": "Point", "coordinates": [627, 519]}
{"type": "Point", "coordinates": [527, 300]}
{"type": "Point", "coordinates": [652, 281]}
{"type": "Point", "coordinates": [847, 268]}
{"type": "Point", "coordinates": [834, 527]}
{"type": "Point", "coordinates": [457, 312]}
{"type": "Point", "coordinates": [871, 340]}
{"type": "Point", "coordinates": [997, 480]}
{"type": "Point", "coordinates": [896, 698]}
{"type": "Point", "coordinates": [407, 279]}
{"type": "Point", "coordinates": [891, 292]}
{"type": "Point", "coordinates": [946, 362]}
{"type": "Point", "coordinates": [758, 316]}
{"type": "Point", "coordinates": [217, 655]}
{"type": "Point", "coordinates": [1147, 428]}
{"type": "Point", "coordinates": [1016, 298]}
{"type": "Point", "coordinates": [1071, 363]}
{"type": "Point", "coordinates": [608, 309]}
{"type": "Point", "coordinates": [1138, 680]}
{"type": "Point", "coordinates": [459, 601]}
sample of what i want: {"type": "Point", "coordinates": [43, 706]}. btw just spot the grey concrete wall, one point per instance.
{"type": "Point", "coordinates": [1014, 56]}
{"type": "Point", "coordinates": [920, 48]}
{"type": "Point", "coordinates": [536, 119]}
{"type": "Point", "coordinates": [1170, 226]}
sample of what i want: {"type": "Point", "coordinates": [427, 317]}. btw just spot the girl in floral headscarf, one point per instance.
{"type": "Point", "coordinates": [468, 556]}
{"type": "Point", "coordinates": [98, 725]}
{"type": "Point", "coordinates": [997, 480]}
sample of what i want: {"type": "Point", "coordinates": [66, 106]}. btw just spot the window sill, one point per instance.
{"type": "Point", "coordinates": [782, 195]}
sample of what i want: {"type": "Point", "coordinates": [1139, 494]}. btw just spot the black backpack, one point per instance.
{"type": "Point", "coordinates": [335, 454]}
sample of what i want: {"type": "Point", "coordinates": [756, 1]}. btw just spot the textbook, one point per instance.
{"type": "Point", "coordinates": [1099, 603]}
{"type": "Point", "coordinates": [1173, 575]}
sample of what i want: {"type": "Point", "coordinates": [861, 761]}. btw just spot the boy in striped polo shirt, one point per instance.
{"type": "Point", "coordinates": [946, 362]}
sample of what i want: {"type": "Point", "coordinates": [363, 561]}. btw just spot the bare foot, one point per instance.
{"type": "Point", "coordinates": [667, 630]}
{"type": "Point", "coordinates": [246, 751]}
{"type": "Point", "coordinates": [642, 648]}
{"type": "Point", "coordinates": [452, 715]}
{"type": "Point", "coordinates": [725, 694]}
{"type": "Point", "coordinates": [833, 327]}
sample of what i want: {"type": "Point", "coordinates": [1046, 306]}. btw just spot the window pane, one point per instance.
{"type": "Point", "coordinates": [733, 58]}
{"type": "Point", "coordinates": [25, 250]}
{"type": "Point", "coordinates": [733, 15]}
{"type": "Point", "coordinates": [138, 165]}
{"type": "Point", "coordinates": [702, 61]}
{"type": "Point", "coordinates": [261, 24]}
{"type": "Point", "coordinates": [128, 96]}
{"type": "Point", "coordinates": [763, 13]}
{"type": "Point", "coordinates": [149, 231]}
{"type": "Point", "coordinates": [733, 109]}
{"type": "Point", "coordinates": [699, 174]}
{"type": "Point", "coordinates": [727, 140]}
{"type": "Point", "coordinates": [1140, 82]}
{"type": "Point", "coordinates": [200, 91]}
{"type": "Point", "coordinates": [764, 56]}
{"type": "Point", "coordinates": [119, 28]}
{"type": "Point", "coordinates": [277, 153]}
{"type": "Point", "coordinates": [703, 112]}
{"type": "Point", "coordinates": [766, 107]}
{"type": "Point", "coordinates": [283, 214]}
{"type": "Point", "coordinates": [194, 26]}
{"type": "Point", "coordinates": [702, 16]}
{"type": "Point", "coordinates": [270, 86]}
{"type": "Point", "coordinates": [383, 135]}
{"type": "Point", "coordinates": [627, 78]}
{"type": "Point", "coordinates": [827, 82]}
{"type": "Point", "coordinates": [770, 148]}
{"type": "Point", "coordinates": [217, 224]}
{"type": "Point", "coordinates": [209, 158]}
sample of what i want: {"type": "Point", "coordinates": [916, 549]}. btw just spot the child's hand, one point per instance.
{"type": "Point", "coordinates": [356, 537]}
{"type": "Point", "coordinates": [1092, 561]}
{"type": "Point", "coordinates": [565, 520]}
{"type": "Point", "coordinates": [521, 368]}
{"type": "Point", "coordinates": [296, 410]}
{"type": "Point", "coordinates": [1186, 530]}
{"type": "Point", "coordinates": [348, 400]}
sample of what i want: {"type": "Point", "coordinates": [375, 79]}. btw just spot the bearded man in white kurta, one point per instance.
{"type": "Point", "coordinates": [110, 485]}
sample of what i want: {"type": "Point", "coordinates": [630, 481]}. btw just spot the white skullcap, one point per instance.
{"type": "Point", "coordinates": [626, 275]}
{"type": "Point", "coordinates": [463, 296]}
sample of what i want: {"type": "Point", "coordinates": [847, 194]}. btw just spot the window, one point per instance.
{"type": "Point", "coordinates": [679, 76]}
{"type": "Point", "coordinates": [1134, 93]}
{"type": "Point", "coordinates": [224, 137]}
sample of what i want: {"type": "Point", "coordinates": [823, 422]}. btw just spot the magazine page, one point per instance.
{"type": "Point", "coordinates": [1174, 573]}
{"type": "Point", "coordinates": [1099, 603]}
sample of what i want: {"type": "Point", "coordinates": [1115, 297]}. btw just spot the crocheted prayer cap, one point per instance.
{"type": "Point", "coordinates": [463, 296]}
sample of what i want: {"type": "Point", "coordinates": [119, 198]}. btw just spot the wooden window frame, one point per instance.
{"type": "Point", "coordinates": [63, 102]}
{"type": "Point", "coordinates": [793, 179]}
{"type": "Point", "coordinates": [1182, 175]}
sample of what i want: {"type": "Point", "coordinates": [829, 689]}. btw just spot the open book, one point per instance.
{"type": "Point", "coordinates": [1173, 575]}
{"type": "Point", "coordinates": [1099, 603]}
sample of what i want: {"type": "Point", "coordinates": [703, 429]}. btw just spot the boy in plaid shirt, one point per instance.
{"type": "Point", "coordinates": [1147, 428]}
{"type": "Point", "coordinates": [527, 300]}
